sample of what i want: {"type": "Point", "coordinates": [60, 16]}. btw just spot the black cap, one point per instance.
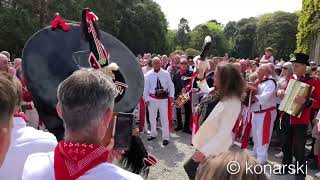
{"type": "Point", "coordinates": [300, 58]}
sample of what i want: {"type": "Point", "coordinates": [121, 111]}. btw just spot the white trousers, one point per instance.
{"type": "Point", "coordinates": [261, 151]}
{"type": "Point", "coordinates": [160, 105]}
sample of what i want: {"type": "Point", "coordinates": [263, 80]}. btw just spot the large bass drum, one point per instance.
{"type": "Point", "coordinates": [50, 56]}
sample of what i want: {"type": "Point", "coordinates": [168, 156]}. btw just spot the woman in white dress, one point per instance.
{"type": "Point", "coordinates": [215, 134]}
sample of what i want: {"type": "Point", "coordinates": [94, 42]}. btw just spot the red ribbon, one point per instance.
{"type": "Point", "coordinates": [195, 124]}
{"type": "Point", "coordinates": [142, 114]}
{"type": "Point", "coordinates": [267, 126]}
{"type": "Point", "coordinates": [246, 134]}
{"type": "Point", "coordinates": [59, 23]}
{"type": "Point", "coordinates": [170, 114]}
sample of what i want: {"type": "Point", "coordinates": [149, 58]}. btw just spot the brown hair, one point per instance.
{"type": "Point", "coordinates": [9, 97]}
{"type": "Point", "coordinates": [217, 167]}
{"type": "Point", "coordinates": [269, 49]}
{"type": "Point", "coordinates": [232, 83]}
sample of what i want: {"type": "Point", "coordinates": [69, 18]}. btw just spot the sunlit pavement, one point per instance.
{"type": "Point", "coordinates": [172, 157]}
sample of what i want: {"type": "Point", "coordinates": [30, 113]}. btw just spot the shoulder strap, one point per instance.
{"type": "Point", "coordinates": [274, 81]}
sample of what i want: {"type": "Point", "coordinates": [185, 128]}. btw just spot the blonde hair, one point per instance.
{"type": "Point", "coordinates": [216, 168]}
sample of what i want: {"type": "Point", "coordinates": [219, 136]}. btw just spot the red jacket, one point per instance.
{"type": "Point", "coordinates": [315, 96]}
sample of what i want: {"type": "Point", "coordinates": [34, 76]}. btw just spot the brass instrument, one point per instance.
{"type": "Point", "coordinates": [182, 99]}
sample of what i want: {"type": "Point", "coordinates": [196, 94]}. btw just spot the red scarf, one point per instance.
{"type": "Point", "coordinates": [21, 115]}
{"type": "Point", "coordinates": [183, 72]}
{"type": "Point", "coordinates": [72, 160]}
{"type": "Point", "coordinates": [267, 57]}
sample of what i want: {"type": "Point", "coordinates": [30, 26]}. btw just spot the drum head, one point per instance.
{"type": "Point", "coordinates": [49, 57]}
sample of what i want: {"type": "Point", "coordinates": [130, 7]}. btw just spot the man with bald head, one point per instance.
{"type": "Point", "coordinates": [264, 113]}
{"type": "Point", "coordinates": [4, 63]}
{"type": "Point", "coordinates": [165, 62]}
{"type": "Point", "coordinates": [158, 89]}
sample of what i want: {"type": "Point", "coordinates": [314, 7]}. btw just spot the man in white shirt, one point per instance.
{"type": "Point", "coordinates": [24, 141]}
{"type": "Point", "coordinates": [87, 116]}
{"type": "Point", "coordinates": [264, 113]}
{"type": "Point", "coordinates": [158, 89]}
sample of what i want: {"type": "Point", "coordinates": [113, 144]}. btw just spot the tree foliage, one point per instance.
{"type": "Point", "coordinates": [183, 33]}
{"type": "Point", "coordinates": [140, 24]}
{"type": "Point", "coordinates": [277, 30]}
{"type": "Point", "coordinates": [192, 52]}
{"type": "Point", "coordinates": [309, 25]}
{"type": "Point", "coordinates": [245, 38]}
{"type": "Point", "coordinates": [215, 31]}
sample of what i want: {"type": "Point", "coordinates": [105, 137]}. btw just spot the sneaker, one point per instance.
{"type": "Point", "coordinates": [150, 138]}
{"type": "Point", "coordinates": [279, 155]}
{"type": "Point", "coordinates": [165, 142]}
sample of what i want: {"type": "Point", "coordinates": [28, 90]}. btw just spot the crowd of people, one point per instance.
{"type": "Point", "coordinates": [214, 108]}
{"type": "Point", "coordinates": [217, 100]}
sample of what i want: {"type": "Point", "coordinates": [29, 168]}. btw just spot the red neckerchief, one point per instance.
{"type": "Point", "coordinates": [183, 72]}
{"type": "Point", "coordinates": [72, 160]}
{"type": "Point", "coordinates": [267, 57]}
{"type": "Point", "coordinates": [21, 115]}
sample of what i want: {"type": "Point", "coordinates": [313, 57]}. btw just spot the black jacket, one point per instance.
{"type": "Point", "coordinates": [179, 84]}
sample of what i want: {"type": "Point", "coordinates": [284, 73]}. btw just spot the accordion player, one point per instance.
{"type": "Point", "coordinates": [295, 88]}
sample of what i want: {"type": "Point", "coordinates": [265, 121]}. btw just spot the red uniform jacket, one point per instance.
{"type": "Point", "coordinates": [315, 96]}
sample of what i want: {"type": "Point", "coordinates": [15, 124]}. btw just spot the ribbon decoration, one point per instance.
{"type": "Point", "coordinates": [59, 23]}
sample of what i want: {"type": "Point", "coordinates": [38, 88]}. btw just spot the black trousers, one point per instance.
{"type": "Point", "coordinates": [294, 141]}
{"type": "Point", "coordinates": [187, 113]}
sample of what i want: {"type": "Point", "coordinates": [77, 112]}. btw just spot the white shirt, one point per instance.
{"type": "Point", "coordinates": [271, 59]}
{"type": "Point", "coordinates": [266, 96]}
{"type": "Point", "coordinates": [24, 141]}
{"type": "Point", "coordinates": [215, 134]}
{"type": "Point", "coordinates": [40, 166]}
{"type": "Point", "coordinates": [151, 83]}
{"type": "Point", "coordinates": [146, 69]}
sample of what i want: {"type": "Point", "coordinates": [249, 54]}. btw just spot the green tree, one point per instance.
{"type": "Point", "coordinates": [192, 52]}
{"type": "Point", "coordinates": [245, 38]}
{"type": "Point", "coordinates": [143, 28]}
{"type": "Point", "coordinates": [215, 31]}
{"type": "Point", "coordinates": [140, 24]}
{"type": "Point", "coordinates": [309, 25]}
{"type": "Point", "coordinates": [277, 30]}
{"type": "Point", "coordinates": [183, 33]}
{"type": "Point", "coordinates": [172, 42]}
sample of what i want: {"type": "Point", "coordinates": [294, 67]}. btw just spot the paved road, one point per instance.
{"type": "Point", "coordinates": [172, 157]}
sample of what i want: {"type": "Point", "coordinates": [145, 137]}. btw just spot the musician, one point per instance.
{"type": "Point", "coordinates": [267, 57]}
{"type": "Point", "coordinates": [87, 115]}
{"type": "Point", "coordinates": [295, 128]}
{"type": "Point", "coordinates": [180, 86]}
{"type": "Point", "coordinates": [264, 113]}
{"type": "Point", "coordinates": [158, 89]}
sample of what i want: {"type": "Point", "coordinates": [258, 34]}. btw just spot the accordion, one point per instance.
{"type": "Point", "coordinates": [295, 88]}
